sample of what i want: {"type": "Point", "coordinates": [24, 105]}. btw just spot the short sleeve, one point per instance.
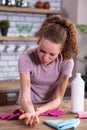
{"type": "Point", "coordinates": [24, 64]}
{"type": "Point", "coordinates": [67, 68]}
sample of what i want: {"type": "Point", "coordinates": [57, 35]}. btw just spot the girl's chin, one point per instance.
{"type": "Point", "coordinates": [45, 63]}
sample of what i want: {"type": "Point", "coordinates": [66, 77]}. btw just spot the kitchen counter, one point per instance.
{"type": "Point", "coordinates": [19, 125]}
{"type": "Point", "coordinates": [9, 84]}
{"type": "Point", "coordinates": [9, 91]}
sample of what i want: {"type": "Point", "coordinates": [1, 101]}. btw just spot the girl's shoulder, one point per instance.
{"type": "Point", "coordinates": [29, 51]}
{"type": "Point", "coordinates": [67, 63]}
{"type": "Point", "coordinates": [28, 55]}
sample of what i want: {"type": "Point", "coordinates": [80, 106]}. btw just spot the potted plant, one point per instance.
{"type": "Point", "coordinates": [4, 25]}
{"type": "Point", "coordinates": [82, 28]}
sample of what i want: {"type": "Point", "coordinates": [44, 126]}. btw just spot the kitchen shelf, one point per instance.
{"type": "Point", "coordinates": [25, 10]}
{"type": "Point", "coordinates": [10, 38]}
{"type": "Point", "coordinates": [29, 10]}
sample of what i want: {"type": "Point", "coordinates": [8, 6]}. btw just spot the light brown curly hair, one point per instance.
{"type": "Point", "coordinates": [61, 31]}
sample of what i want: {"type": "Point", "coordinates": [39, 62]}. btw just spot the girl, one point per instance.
{"type": "Point", "coordinates": [45, 70]}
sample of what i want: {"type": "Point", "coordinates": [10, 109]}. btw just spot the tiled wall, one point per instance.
{"type": "Point", "coordinates": [8, 58]}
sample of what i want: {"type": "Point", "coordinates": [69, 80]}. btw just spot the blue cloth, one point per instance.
{"type": "Point", "coordinates": [63, 124]}
{"type": "Point", "coordinates": [53, 123]}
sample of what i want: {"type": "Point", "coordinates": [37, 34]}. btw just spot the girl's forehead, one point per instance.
{"type": "Point", "coordinates": [49, 46]}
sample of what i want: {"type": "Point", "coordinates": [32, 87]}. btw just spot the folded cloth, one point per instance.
{"type": "Point", "coordinates": [82, 115]}
{"type": "Point", "coordinates": [54, 112]}
{"type": "Point", "coordinates": [63, 124]}
{"type": "Point", "coordinates": [14, 115]}
{"type": "Point", "coordinates": [53, 123]}
{"type": "Point", "coordinates": [5, 116]}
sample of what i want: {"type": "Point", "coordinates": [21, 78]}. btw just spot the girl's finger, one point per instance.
{"type": "Point", "coordinates": [27, 120]}
{"type": "Point", "coordinates": [21, 110]}
{"type": "Point", "coordinates": [36, 120]}
{"type": "Point", "coordinates": [22, 117]}
{"type": "Point", "coordinates": [31, 120]}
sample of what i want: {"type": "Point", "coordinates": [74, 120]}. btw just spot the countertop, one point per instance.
{"type": "Point", "coordinates": [19, 125]}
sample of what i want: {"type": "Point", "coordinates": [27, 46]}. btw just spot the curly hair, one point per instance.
{"type": "Point", "coordinates": [60, 31]}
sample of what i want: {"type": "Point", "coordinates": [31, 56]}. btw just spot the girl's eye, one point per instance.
{"type": "Point", "coordinates": [52, 54]}
{"type": "Point", "coordinates": [42, 51]}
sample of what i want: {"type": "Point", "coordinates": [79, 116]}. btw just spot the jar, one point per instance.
{"type": "Point", "coordinates": [3, 2]}
{"type": "Point", "coordinates": [19, 3]}
{"type": "Point", "coordinates": [24, 3]}
{"type": "Point", "coordinates": [13, 2]}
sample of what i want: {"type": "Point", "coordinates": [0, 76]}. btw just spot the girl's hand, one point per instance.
{"type": "Point", "coordinates": [38, 110]}
{"type": "Point", "coordinates": [30, 119]}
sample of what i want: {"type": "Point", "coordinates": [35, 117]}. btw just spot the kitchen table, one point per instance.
{"type": "Point", "coordinates": [19, 125]}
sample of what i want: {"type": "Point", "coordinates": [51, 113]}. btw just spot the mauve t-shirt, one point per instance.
{"type": "Point", "coordinates": [43, 77]}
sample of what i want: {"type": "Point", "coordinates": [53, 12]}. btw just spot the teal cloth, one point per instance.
{"type": "Point", "coordinates": [63, 124]}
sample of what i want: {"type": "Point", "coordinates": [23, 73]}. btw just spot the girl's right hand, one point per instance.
{"type": "Point", "coordinates": [30, 119]}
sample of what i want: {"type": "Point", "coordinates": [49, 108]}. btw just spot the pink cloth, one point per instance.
{"type": "Point", "coordinates": [14, 115]}
{"type": "Point", "coordinates": [18, 112]}
{"type": "Point", "coordinates": [54, 112]}
{"type": "Point", "coordinates": [82, 115]}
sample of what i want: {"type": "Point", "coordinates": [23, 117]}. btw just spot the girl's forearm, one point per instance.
{"type": "Point", "coordinates": [27, 104]}
{"type": "Point", "coordinates": [48, 106]}
{"type": "Point", "coordinates": [61, 87]}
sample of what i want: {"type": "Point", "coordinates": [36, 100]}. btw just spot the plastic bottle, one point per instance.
{"type": "Point", "coordinates": [77, 94]}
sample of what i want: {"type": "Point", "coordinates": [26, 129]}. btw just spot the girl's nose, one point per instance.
{"type": "Point", "coordinates": [46, 56]}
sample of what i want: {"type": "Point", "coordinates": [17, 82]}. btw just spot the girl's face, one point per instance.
{"type": "Point", "coordinates": [48, 51]}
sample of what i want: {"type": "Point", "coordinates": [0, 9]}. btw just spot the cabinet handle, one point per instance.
{"type": "Point", "coordinates": [11, 96]}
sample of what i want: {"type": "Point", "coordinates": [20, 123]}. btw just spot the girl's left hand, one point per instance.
{"type": "Point", "coordinates": [38, 110]}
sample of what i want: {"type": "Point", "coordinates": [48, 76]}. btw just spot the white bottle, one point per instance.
{"type": "Point", "coordinates": [77, 94]}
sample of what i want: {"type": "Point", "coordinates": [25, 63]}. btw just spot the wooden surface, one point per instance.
{"type": "Point", "coordinates": [19, 125]}
{"type": "Point", "coordinates": [9, 85]}
{"type": "Point", "coordinates": [9, 91]}
{"type": "Point", "coordinates": [15, 38]}
{"type": "Point", "coordinates": [14, 84]}
{"type": "Point", "coordinates": [29, 10]}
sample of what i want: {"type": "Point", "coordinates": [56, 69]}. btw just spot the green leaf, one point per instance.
{"type": "Point", "coordinates": [82, 28]}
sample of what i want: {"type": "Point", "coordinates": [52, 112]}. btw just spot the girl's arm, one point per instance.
{"type": "Point", "coordinates": [61, 87]}
{"type": "Point", "coordinates": [25, 93]}
{"type": "Point", "coordinates": [30, 116]}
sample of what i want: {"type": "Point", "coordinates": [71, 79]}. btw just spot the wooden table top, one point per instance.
{"type": "Point", "coordinates": [19, 125]}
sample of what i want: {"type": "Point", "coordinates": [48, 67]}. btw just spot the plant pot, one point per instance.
{"type": "Point", "coordinates": [4, 31]}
